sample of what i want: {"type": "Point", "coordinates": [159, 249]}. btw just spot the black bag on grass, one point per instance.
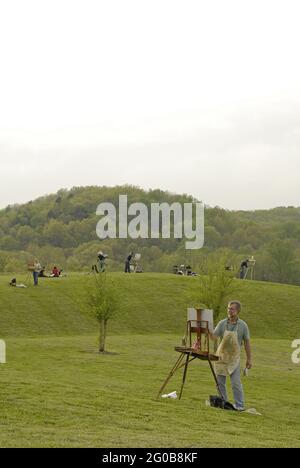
{"type": "Point", "coordinates": [218, 402]}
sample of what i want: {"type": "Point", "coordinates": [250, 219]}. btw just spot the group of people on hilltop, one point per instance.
{"type": "Point", "coordinates": [179, 270]}
{"type": "Point", "coordinates": [100, 266]}
{"type": "Point", "coordinates": [183, 270]}
{"type": "Point", "coordinates": [38, 271]}
{"type": "Point", "coordinates": [244, 267]}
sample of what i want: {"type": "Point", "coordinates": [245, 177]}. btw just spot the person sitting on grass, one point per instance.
{"type": "Point", "coordinates": [14, 284]}
{"type": "Point", "coordinates": [55, 273]}
{"type": "Point", "coordinates": [42, 273]}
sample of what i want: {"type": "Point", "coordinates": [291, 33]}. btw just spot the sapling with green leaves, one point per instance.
{"type": "Point", "coordinates": [216, 285]}
{"type": "Point", "coordinates": [105, 302]}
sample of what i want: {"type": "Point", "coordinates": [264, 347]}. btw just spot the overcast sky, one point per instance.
{"type": "Point", "coordinates": [198, 97]}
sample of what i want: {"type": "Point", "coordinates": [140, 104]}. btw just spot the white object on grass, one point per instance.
{"type": "Point", "coordinates": [172, 395]}
{"type": "Point", "coordinates": [253, 411]}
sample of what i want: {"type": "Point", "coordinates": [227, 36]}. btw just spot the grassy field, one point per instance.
{"type": "Point", "coordinates": [57, 391]}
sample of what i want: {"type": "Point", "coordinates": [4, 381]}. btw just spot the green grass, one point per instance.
{"type": "Point", "coordinates": [152, 303]}
{"type": "Point", "coordinates": [57, 391]}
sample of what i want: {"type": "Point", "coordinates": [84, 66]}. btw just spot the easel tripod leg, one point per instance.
{"type": "Point", "coordinates": [174, 369]}
{"type": "Point", "coordinates": [184, 374]}
{"type": "Point", "coordinates": [28, 277]}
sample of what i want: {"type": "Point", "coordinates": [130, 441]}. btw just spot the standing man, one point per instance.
{"type": "Point", "coordinates": [233, 332]}
{"type": "Point", "coordinates": [127, 262]}
{"type": "Point", "coordinates": [37, 267]}
{"type": "Point", "coordinates": [244, 269]}
{"type": "Point", "coordinates": [101, 260]}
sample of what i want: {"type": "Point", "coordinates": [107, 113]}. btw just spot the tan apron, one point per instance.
{"type": "Point", "coordinates": [229, 353]}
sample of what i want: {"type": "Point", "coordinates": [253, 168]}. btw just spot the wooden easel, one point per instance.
{"type": "Point", "coordinates": [30, 270]}
{"type": "Point", "coordinates": [252, 262]}
{"type": "Point", "coordinates": [189, 351]}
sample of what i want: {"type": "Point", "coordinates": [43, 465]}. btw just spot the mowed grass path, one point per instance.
{"type": "Point", "coordinates": [57, 391]}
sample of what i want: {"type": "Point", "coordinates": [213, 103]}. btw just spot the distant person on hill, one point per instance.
{"type": "Point", "coordinates": [55, 273]}
{"type": "Point", "coordinates": [244, 268]}
{"type": "Point", "coordinates": [42, 273]}
{"type": "Point", "coordinates": [14, 284]}
{"type": "Point", "coordinates": [36, 271]}
{"type": "Point", "coordinates": [233, 332]}
{"type": "Point", "coordinates": [127, 262]}
{"type": "Point", "coordinates": [101, 261]}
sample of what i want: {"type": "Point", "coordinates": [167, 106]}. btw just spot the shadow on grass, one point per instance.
{"type": "Point", "coordinates": [100, 353]}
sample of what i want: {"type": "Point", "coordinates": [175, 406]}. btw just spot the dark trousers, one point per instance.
{"type": "Point", "coordinates": [243, 272]}
{"type": "Point", "coordinates": [35, 278]}
{"type": "Point", "coordinates": [127, 266]}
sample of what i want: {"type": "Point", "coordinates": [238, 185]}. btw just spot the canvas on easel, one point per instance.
{"type": "Point", "coordinates": [199, 322]}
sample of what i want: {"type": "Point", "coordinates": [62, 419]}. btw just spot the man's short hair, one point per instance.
{"type": "Point", "coordinates": [237, 303]}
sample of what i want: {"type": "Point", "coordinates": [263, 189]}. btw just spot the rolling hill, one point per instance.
{"type": "Point", "coordinates": [151, 303]}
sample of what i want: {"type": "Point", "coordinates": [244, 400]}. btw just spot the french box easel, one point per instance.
{"type": "Point", "coordinates": [191, 351]}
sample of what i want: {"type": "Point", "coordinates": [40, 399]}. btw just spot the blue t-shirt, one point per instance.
{"type": "Point", "coordinates": [240, 327]}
